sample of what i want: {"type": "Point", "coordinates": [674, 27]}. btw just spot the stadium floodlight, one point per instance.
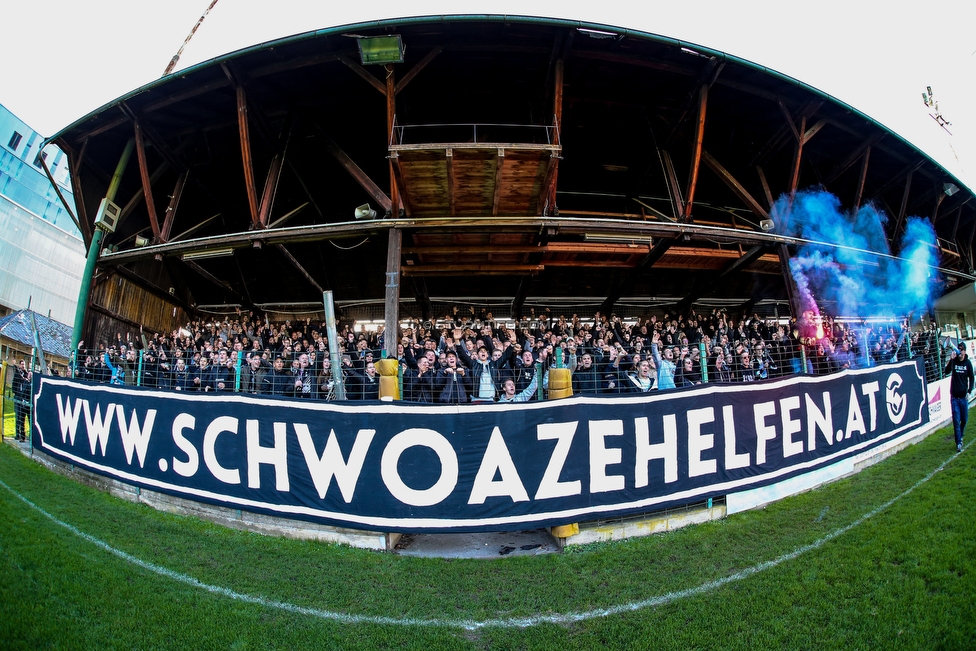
{"type": "Point", "coordinates": [380, 50]}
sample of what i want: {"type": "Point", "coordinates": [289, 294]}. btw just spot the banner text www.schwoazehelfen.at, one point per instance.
{"type": "Point", "coordinates": [402, 467]}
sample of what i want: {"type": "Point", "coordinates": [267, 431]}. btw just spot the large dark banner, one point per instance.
{"type": "Point", "coordinates": [400, 467]}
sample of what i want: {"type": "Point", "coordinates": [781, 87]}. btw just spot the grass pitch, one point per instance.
{"type": "Point", "coordinates": [809, 572]}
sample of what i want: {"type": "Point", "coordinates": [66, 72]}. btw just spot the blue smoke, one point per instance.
{"type": "Point", "coordinates": [838, 265]}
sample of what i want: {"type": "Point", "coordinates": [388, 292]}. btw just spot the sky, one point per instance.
{"type": "Point", "coordinates": [66, 58]}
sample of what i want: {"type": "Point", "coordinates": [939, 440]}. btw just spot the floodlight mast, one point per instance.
{"type": "Point", "coordinates": [104, 222]}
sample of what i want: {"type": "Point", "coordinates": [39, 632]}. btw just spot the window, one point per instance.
{"type": "Point", "coordinates": [41, 156]}
{"type": "Point", "coordinates": [14, 141]}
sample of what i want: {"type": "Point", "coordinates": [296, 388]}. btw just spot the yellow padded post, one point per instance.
{"type": "Point", "coordinates": [388, 369]}
{"type": "Point", "coordinates": [560, 383]}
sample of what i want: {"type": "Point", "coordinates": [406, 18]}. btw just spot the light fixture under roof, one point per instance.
{"type": "Point", "coordinates": [380, 50]}
{"type": "Point", "coordinates": [619, 238]}
{"type": "Point", "coordinates": [208, 253]}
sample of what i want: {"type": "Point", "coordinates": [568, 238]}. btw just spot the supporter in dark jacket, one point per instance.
{"type": "Point", "coordinates": [451, 385]}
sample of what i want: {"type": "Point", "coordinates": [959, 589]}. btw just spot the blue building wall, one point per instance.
{"type": "Point", "coordinates": [42, 255]}
{"type": "Point", "coordinates": [22, 179]}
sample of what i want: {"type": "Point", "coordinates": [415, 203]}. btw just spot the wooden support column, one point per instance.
{"type": "Point", "coordinates": [547, 196]}
{"type": "Point", "coordinates": [499, 170]}
{"type": "Point", "coordinates": [696, 152]}
{"type": "Point", "coordinates": [243, 131]}
{"type": "Point", "coordinates": [451, 183]}
{"type": "Point", "coordinates": [392, 307]}
{"type": "Point", "coordinates": [390, 123]}
{"type": "Point", "coordinates": [146, 183]}
{"type": "Point", "coordinates": [552, 175]}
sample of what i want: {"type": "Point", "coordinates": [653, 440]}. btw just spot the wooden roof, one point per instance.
{"type": "Point", "coordinates": [672, 153]}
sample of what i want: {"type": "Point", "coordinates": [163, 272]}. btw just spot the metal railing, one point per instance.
{"type": "Point", "coordinates": [309, 375]}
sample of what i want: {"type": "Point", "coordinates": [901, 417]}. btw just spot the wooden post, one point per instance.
{"type": "Point", "coordinates": [696, 153]}
{"type": "Point", "coordinates": [391, 328]}
{"type": "Point", "coordinates": [390, 119]}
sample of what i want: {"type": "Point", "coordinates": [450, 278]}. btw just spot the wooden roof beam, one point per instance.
{"type": "Point", "coordinates": [782, 136]}
{"type": "Point", "coordinates": [709, 73]}
{"type": "Point", "coordinates": [212, 278]}
{"type": "Point", "coordinates": [361, 177]}
{"type": "Point", "coordinates": [744, 260]}
{"type": "Point", "coordinates": [274, 173]}
{"type": "Point", "coordinates": [75, 160]}
{"type": "Point", "coordinates": [295, 263]}
{"type": "Point", "coordinates": [696, 152]}
{"type": "Point", "coordinates": [907, 171]}
{"type": "Point", "coordinates": [365, 74]}
{"type": "Point", "coordinates": [146, 183]}
{"type": "Point", "coordinates": [244, 135]}
{"type": "Point", "coordinates": [736, 187]}
{"type": "Point", "coordinates": [853, 157]}
{"type": "Point", "coordinates": [414, 71]}
{"type": "Point", "coordinates": [672, 181]}
{"type": "Point", "coordinates": [481, 269]}
{"type": "Point", "coordinates": [863, 177]}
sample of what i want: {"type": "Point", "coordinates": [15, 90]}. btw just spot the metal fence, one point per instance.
{"type": "Point", "coordinates": [607, 371]}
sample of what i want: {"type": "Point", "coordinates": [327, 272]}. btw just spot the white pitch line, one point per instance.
{"type": "Point", "coordinates": [512, 622]}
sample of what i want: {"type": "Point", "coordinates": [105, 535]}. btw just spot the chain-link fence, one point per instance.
{"type": "Point", "coordinates": [454, 362]}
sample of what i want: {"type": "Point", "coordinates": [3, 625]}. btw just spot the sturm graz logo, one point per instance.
{"type": "Point", "coordinates": [896, 402]}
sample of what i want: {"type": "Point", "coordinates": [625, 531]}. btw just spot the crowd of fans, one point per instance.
{"type": "Point", "coordinates": [475, 360]}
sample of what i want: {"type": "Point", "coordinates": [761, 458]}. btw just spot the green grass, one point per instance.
{"type": "Point", "coordinates": [901, 579]}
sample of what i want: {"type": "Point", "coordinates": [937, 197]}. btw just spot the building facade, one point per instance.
{"type": "Point", "coordinates": [42, 255]}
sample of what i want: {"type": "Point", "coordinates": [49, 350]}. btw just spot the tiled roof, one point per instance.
{"type": "Point", "coordinates": [55, 336]}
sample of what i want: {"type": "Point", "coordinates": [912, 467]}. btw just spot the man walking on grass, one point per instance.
{"type": "Point", "coordinates": [960, 370]}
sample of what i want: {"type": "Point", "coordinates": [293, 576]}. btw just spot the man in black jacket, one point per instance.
{"type": "Point", "coordinates": [21, 386]}
{"type": "Point", "coordinates": [418, 382]}
{"type": "Point", "coordinates": [960, 370]}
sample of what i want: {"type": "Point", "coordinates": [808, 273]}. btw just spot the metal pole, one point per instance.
{"type": "Point", "coordinates": [95, 248]}
{"type": "Point", "coordinates": [330, 327]}
{"type": "Point", "coordinates": [37, 343]}
{"type": "Point", "coordinates": [237, 371]}
{"type": "Point", "coordinates": [703, 356]}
